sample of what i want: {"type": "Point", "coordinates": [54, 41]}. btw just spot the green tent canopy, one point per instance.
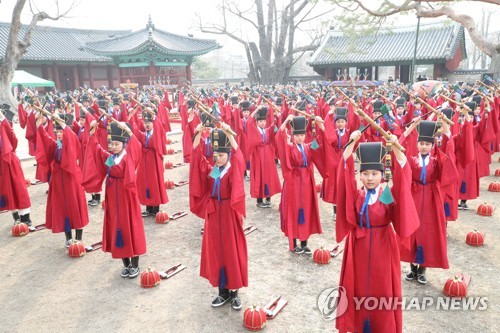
{"type": "Point", "coordinates": [28, 80]}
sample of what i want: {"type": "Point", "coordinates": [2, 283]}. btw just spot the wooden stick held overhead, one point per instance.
{"type": "Point", "coordinates": [378, 128]}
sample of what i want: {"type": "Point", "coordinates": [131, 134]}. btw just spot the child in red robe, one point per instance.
{"type": "Point", "coordinates": [336, 135]}
{"type": "Point", "coordinates": [428, 245]}
{"type": "Point", "coordinates": [13, 192]}
{"type": "Point", "coordinates": [150, 181]}
{"type": "Point", "coordinates": [374, 220]}
{"type": "Point", "coordinates": [299, 202]}
{"type": "Point", "coordinates": [123, 228]}
{"type": "Point", "coordinates": [217, 195]}
{"type": "Point", "coordinates": [66, 206]}
{"type": "Point", "coordinates": [264, 179]}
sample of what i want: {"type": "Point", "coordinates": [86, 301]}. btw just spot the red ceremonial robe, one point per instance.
{"type": "Point", "coordinates": [42, 166]}
{"type": "Point", "coordinates": [13, 191]}
{"type": "Point", "coordinates": [122, 215]}
{"type": "Point", "coordinates": [66, 204]}
{"type": "Point", "coordinates": [371, 265]}
{"type": "Point", "coordinates": [428, 245]}
{"type": "Point", "coordinates": [470, 174]}
{"type": "Point", "coordinates": [150, 180]}
{"type": "Point", "coordinates": [224, 243]}
{"type": "Point", "coordinates": [264, 179]}
{"type": "Point", "coordinates": [333, 154]}
{"type": "Point", "coordinates": [299, 191]}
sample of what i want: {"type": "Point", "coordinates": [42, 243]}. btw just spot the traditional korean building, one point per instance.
{"type": "Point", "coordinates": [76, 57]}
{"type": "Point", "coordinates": [441, 45]}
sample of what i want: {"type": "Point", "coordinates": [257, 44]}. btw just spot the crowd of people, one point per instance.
{"type": "Point", "coordinates": [420, 157]}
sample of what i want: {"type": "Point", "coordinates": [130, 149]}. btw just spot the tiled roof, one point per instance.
{"type": "Point", "coordinates": [437, 42]}
{"type": "Point", "coordinates": [165, 42]}
{"type": "Point", "coordinates": [59, 44]}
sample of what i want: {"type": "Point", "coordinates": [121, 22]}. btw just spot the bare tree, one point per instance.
{"type": "Point", "coordinates": [426, 9]}
{"type": "Point", "coordinates": [272, 56]}
{"type": "Point", "coordinates": [17, 46]}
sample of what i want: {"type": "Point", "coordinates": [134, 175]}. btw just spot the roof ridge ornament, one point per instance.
{"type": "Point", "coordinates": [150, 26]}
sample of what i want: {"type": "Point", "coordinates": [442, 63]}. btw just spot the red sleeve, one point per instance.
{"type": "Point", "coordinates": [405, 216]}
{"type": "Point", "coordinates": [284, 153]}
{"type": "Point", "coordinates": [70, 150]}
{"type": "Point", "coordinates": [199, 169]}
{"type": "Point", "coordinates": [237, 187]}
{"type": "Point", "coordinates": [45, 147]}
{"type": "Point", "coordinates": [93, 171]}
{"type": "Point", "coordinates": [6, 135]}
{"type": "Point", "coordinates": [23, 116]}
{"type": "Point", "coordinates": [346, 198]}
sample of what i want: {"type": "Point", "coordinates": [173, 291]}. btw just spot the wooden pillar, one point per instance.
{"type": "Point", "coordinates": [76, 77]}
{"type": "Point", "coordinates": [109, 74]}
{"type": "Point", "coordinates": [152, 72]}
{"type": "Point", "coordinates": [396, 72]}
{"type": "Point", "coordinates": [91, 77]}
{"type": "Point", "coordinates": [376, 73]}
{"type": "Point", "coordinates": [80, 75]}
{"type": "Point", "coordinates": [119, 74]}
{"type": "Point", "coordinates": [55, 72]}
{"type": "Point", "coordinates": [188, 72]}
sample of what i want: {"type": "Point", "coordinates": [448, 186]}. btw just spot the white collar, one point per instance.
{"type": "Point", "coordinates": [119, 158]}
{"type": "Point", "coordinates": [374, 197]}
{"type": "Point", "coordinates": [150, 132]}
{"type": "Point", "coordinates": [427, 159]}
{"type": "Point", "coordinates": [226, 168]}
{"type": "Point", "coordinates": [341, 132]}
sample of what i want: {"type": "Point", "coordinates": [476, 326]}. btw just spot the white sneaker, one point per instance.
{"type": "Point", "coordinates": [69, 242]}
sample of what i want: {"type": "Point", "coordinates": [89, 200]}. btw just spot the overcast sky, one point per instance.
{"type": "Point", "coordinates": [174, 16]}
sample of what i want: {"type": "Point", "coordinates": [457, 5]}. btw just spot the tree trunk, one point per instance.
{"type": "Point", "coordinates": [6, 96]}
{"type": "Point", "coordinates": [495, 64]}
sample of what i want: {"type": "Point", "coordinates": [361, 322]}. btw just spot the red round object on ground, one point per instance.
{"type": "Point", "coordinates": [169, 165]}
{"type": "Point", "coordinates": [20, 229]}
{"type": "Point", "coordinates": [475, 238]}
{"type": "Point", "coordinates": [455, 287]}
{"type": "Point", "coordinates": [494, 187]}
{"type": "Point", "coordinates": [162, 218]}
{"type": "Point", "coordinates": [485, 209]}
{"type": "Point", "coordinates": [76, 250]}
{"type": "Point", "coordinates": [254, 318]}
{"type": "Point", "coordinates": [169, 184]}
{"type": "Point", "coordinates": [322, 256]}
{"type": "Point", "coordinates": [150, 278]}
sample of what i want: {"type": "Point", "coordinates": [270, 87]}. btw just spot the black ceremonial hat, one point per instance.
{"type": "Point", "coordinates": [245, 105]}
{"type": "Point", "coordinates": [234, 100]}
{"type": "Point", "coordinates": [471, 106]}
{"type": "Point", "coordinates": [206, 121]}
{"type": "Point", "coordinates": [68, 120]}
{"type": "Point", "coordinates": [477, 99]}
{"type": "Point", "coordinates": [377, 105]}
{"type": "Point", "coordinates": [427, 130]}
{"type": "Point", "coordinates": [115, 133]}
{"type": "Point", "coordinates": [279, 101]}
{"type": "Point", "coordinates": [5, 108]}
{"type": "Point", "coordinates": [370, 155]}
{"type": "Point", "coordinates": [299, 125]}
{"type": "Point", "coordinates": [341, 113]}
{"type": "Point", "coordinates": [400, 102]}
{"type": "Point", "coordinates": [220, 142]}
{"type": "Point", "coordinates": [448, 112]}
{"type": "Point", "coordinates": [262, 113]}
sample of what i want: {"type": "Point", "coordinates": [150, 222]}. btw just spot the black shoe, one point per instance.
{"type": "Point", "coordinates": [235, 300]}
{"type": "Point", "coordinates": [267, 203]}
{"type": "Point", "coordinates": [412, 275]}
{"type": "Point", "coordinates": [306, 250]}
{"type": "Point", "coordinates": [261, 205]}
{"type": "Point", "coordinates": [94, 203]}
{"type": "Point", "coordinates": [133, 272]}
{"type": "Point", "coordinates": [421, 275]}
{"type": "Point", "coordinates": [222, 298]}
{"type": "Point", "coordinates": [460, 206]}
{"type": "Point", "coordinates": [464, 206]}
{"type": "Point", "coordinates": [145, 214]}
{"type": "Point", "coordinates": [298, 250]}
